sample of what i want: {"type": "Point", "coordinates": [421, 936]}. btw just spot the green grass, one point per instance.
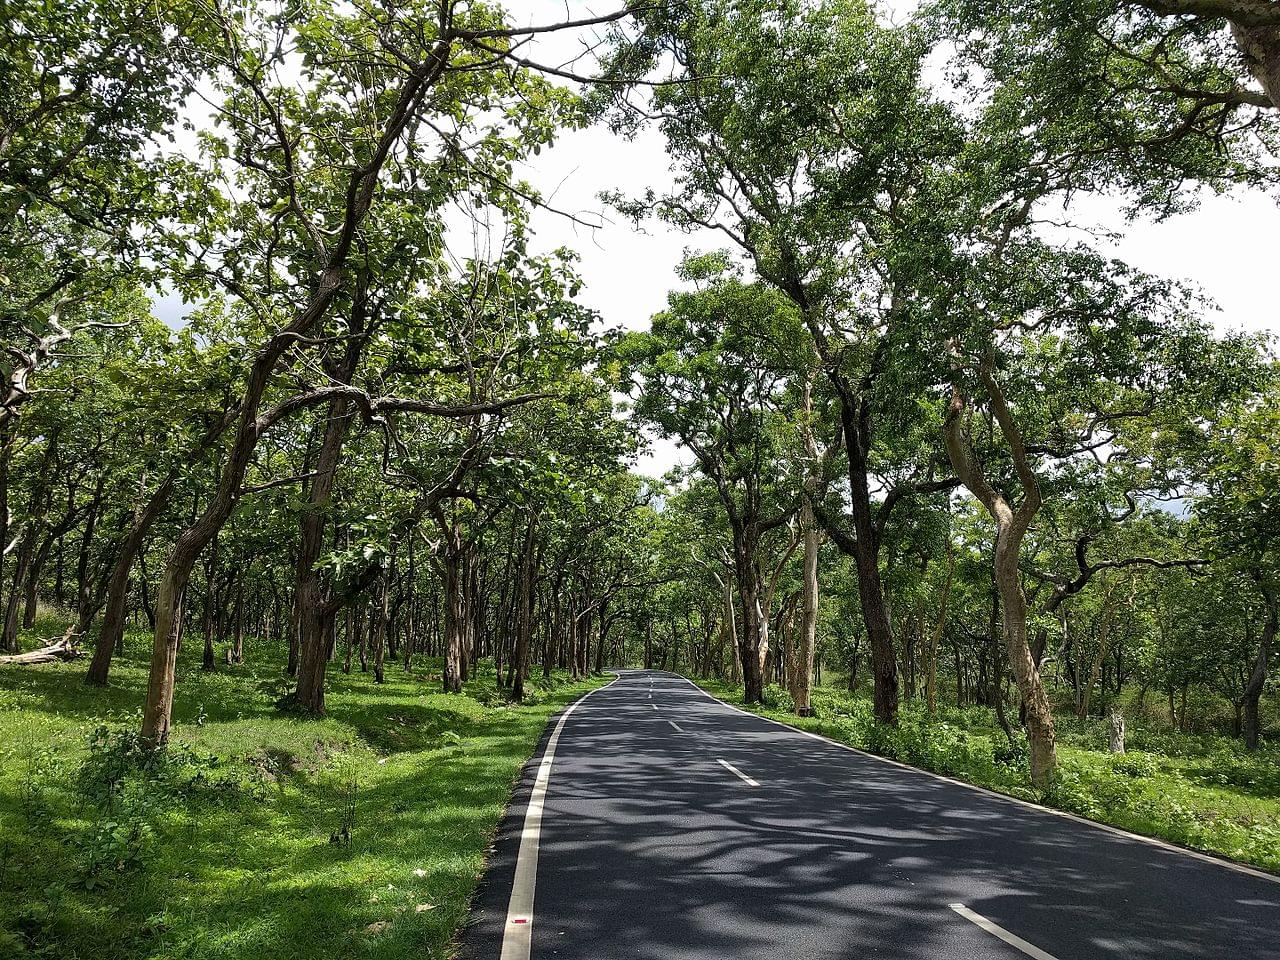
{"type": "Point", "coordinates": [224, 850]}
{"type": "Point", "coordinates": [1203, 792]}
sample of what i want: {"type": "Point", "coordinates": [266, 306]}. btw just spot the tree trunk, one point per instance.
{"type": "Point", "coordinates": [363, 629]}
{"type": "Point", "coordinates": [1100, 657]}
{"type": "Point", "coordinates": [455, 617]}
{"type": "Point", "coordinates": [855, 418]}
{"type": "Point", "coordinates": [1258, 675]}
{"type": "Point", "coordinates": [311, 618]}
{"type": "Point", "coordinates": [750, 648]}
{"type": "Point", "coordinates": [208, 622]}
{"type": "Point", "coordinates": [237, 635]}
{"type": "Point", "coordinates": [9, 638]}
{"type": "Point", "coordinates": [349, 636]}
{"type": "Point", "coordinates": [6, 450]}
{"type": "Point", "coordinates": [1011, 528]}
{"type": "Point", "coordinates": [1260, 47]}
{"type": "Point", "coordinates": [802, 683]}
{"type": "Point", "coordinates": [935, 638]}
{"type": "Point", "coordinates": [158, 708]}
{"type": "Point", "coordinates": [1116, 740]}
{"type": "Point", "coordinates": [524, 618]}
{"type": "Point", "coordinates": [111, 633]}
{"type": "Point", "coordinates": [380, 635]}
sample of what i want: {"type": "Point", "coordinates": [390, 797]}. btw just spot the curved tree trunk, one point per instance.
{"type": "Point", "coordinates": [1013, 603]}
{"type": "Point", "coordinates": [1260, 47]}
{"type": "Point", "coordinates": [1011, 527]}
{"type": "Point", "coordinates": [361, 189]}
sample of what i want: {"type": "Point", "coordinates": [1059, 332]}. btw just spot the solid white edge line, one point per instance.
{"type": "Point", "coordinates": [1106, 827]}
{"type": "Point", "coordinates": [517, 933]}
{"type": "Point", "coordinates": [737, 773]}
{"type": "Point", "coordinates": [1030, 949]}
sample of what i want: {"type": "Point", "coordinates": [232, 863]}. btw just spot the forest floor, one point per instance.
{"type": "Point", "coordinates": [262, 834]}
{"type": "Point", "coordinates": [1199, 791]}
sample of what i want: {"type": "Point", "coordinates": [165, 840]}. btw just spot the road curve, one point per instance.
{"type": "Point", "coordinates": [674, 826]}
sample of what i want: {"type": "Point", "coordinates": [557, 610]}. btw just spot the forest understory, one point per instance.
{"type": "Point", "coordinates": [259, 833]}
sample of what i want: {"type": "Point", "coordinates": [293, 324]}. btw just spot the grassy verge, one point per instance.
{"type": "Point", "coordinates": [1202, 792]}
{"type": "Point", "coordinates": [261, 834]}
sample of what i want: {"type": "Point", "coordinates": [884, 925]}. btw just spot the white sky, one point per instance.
{"type": "Point", "coordinates": [1226, 247]}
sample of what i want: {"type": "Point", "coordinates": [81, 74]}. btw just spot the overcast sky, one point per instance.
{"type": "Point", "coordinates": [1226, 247]}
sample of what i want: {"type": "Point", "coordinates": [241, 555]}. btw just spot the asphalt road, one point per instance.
{"type": "Point", "coordinates": [653, 844]}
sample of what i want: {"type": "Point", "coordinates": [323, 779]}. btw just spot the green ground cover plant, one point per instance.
{"type": "Point", "coordinates": [257, 832]}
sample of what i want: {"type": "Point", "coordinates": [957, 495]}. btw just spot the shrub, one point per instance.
{"type": "Point", "coordinates": [115, 846]}
{"type": "Point", "coordinates": [778, 698]}
{"type": "Point", "coordinates": [1135, 764]}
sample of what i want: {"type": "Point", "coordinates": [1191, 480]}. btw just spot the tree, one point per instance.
{"type": "Point", "coordinates": [703, 378]}
{"type": "Point", "coordinates": [1151, 96]}
{"type": "Point", "coordinates": [1240, 503]}
{"type": "Point", "coordinates": [88, 90]}
{"type": "Point", "coordinates": [433, 81]}
{"type": "Point", "coordinates": [800, 131]}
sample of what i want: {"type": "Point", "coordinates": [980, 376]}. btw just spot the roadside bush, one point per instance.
{"type": "Point", "coordinates": [1135, 764]}
{"type": "Point", "coordinates": [779, 698]}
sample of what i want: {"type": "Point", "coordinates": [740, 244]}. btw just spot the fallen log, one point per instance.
{"type": "Point", "coordinates": [62, 649]}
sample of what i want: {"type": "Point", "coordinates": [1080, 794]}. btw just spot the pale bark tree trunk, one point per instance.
{"type": "Point", "coordinates": [802, 686]}
{"type": "Point", "coordinates": [1116, 739]}
{"type": "Point", "coordinates": [1260, 47]}
{"type": "Point", "coordinates": [1011, 527]}
{"type": "Point", "coordinates": [729, 628]}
